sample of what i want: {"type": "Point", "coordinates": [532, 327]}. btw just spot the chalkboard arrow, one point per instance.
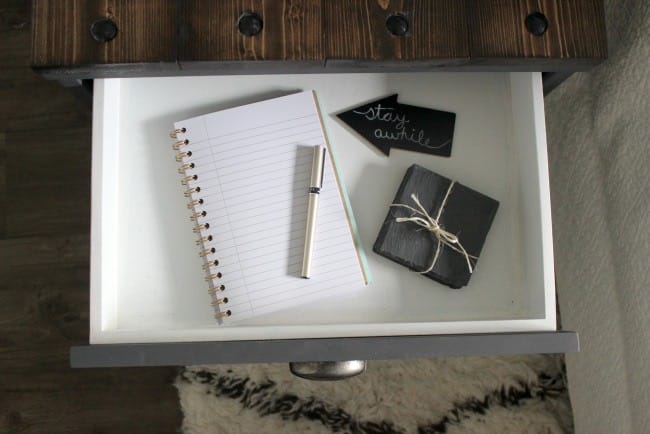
{"type": "Point", "coordinates": [387, 124]}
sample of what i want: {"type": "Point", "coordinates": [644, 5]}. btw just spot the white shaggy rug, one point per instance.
{"type": "Point", "coordinates": [514, 394]}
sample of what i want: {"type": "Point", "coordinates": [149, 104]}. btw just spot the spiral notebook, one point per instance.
{"type": "Point", "coordinates": [246, 171]}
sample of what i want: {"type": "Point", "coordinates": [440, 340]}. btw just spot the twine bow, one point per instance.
{"type": "Point", "coordinates": [422, 218]}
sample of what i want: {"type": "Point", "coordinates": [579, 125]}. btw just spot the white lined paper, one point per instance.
{"type": "Point", "coordinates": [253, 165]}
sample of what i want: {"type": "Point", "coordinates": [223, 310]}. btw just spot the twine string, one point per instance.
{"type": "Point", "coordinates": [421, 217]}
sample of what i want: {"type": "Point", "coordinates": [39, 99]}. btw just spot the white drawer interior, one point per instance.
{"type": "Point", "coordinates": [146, 283]}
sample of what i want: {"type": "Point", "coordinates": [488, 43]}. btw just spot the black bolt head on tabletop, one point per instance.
{"type": "Point", "coordinates": [103, 30]}
{"type": "Point", "coordinates": [536, 23]}
{"type": "Point", "coordinates": [250, 24]}
{"type": "Point", "coordinates": [397, 25]}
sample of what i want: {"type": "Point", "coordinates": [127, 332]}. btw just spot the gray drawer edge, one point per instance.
{"type": "Point", "coordinates": [316, 350]}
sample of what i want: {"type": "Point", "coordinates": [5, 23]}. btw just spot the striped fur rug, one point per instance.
{"type": "Point", "coordinates": [515, 394]}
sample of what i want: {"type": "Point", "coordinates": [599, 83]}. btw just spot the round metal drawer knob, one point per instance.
{"type": "Point", "coordinates": [103, 30]}
{"type": "Point", "coordinates": [397, 25]}
{"type": "Point", "coordinates": [328, 371]}
{"type": "Point", "coordinates": [250, 24]}
{"type": "Point", "coordinates": [536, 23]}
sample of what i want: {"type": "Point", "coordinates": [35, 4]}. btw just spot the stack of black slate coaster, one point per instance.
{"type": "Point", "coordinates": [467, 214]}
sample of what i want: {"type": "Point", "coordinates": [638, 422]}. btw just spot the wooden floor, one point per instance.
{"type": "Point", "coordinates": [45, 133]}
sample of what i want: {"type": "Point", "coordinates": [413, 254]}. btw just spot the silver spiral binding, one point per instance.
{"type": "Point", "coordinates": [183, 146]}
{"type": "Point", "coordinates": [197, 215]}
{"type": "Point", "coordinates": [203, 240]}
{"type": "Point", "coordinates": [194, 203]}
{"type": "Point", "coordinates": [213, 291]}
{"type": "Point", "coordinates": [176, 146]}
{"type": "Point", "coordinates": [181, 155]}
{"type": "Point", "coordinates": [174, 134]}
{"type": "Point", "coordinates": [220, 315]}
{"type": "Point", "coordinates": [198, 228]}
{"type": "Point", "coordinates": [210, 265]}
{"type": "Point", "coordinates": [184, 168]}
{"type": "Point", "coordinates": [213, 277]}
{"type": "Point", "coordinates": [187, 179]}
{"type": "Point", "coordinates": [190, 191]}
{"type": "Point", "coordinates": [219, 301]}
{"type": "Point", "coordinates": [205, 252]}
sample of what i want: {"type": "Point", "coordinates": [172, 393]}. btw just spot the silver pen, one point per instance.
{"type": "Point", "coordinates": [316, 183]}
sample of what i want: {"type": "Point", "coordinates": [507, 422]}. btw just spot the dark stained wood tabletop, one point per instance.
{"type": "Point", "coordinates": [167, 37]}
{"type": "Point", "coordinates": [45, 133]}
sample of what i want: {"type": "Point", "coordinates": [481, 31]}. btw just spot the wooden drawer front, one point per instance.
{"type": "Point", "coordinates": [357, 30]}
{"type": "Point", "coordinates": [61, 32]}
{"type": "Point", "coordinates": [291, 31]}
{"type": "Point", "coordinates": [575, 29]}
{"type": "Point", "coordinates": [199, 36]}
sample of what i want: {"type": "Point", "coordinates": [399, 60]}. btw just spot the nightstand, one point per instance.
{"type": "Point", "coordinates": [211, 52]}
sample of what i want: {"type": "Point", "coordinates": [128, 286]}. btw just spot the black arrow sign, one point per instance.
{"type": "Point", "coordinates": [388, 124]}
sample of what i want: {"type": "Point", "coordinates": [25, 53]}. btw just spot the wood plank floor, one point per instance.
{"type": "Point", "coordinates": [45, 133]}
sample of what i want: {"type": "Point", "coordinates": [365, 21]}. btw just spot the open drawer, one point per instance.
{"type": "Point", "coordinates": [148, 300]}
